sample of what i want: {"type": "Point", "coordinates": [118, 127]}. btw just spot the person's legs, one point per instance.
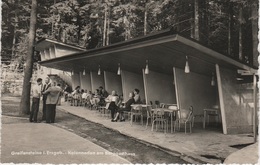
{"type": "Point", "coordinates": [112, 113]}
{"type": "Point", "coordinates": [117, 115]}
{"type": "Point", "coordinates": [48, 113]}
{"type": "Point", "coordinates": [32, 110]}
{"type": "Point", "coordinates": [36, 108]}
{"type": "Point", "coordinates": [53, 113]}
{"type": "Point", "coordinates": [44, 109]}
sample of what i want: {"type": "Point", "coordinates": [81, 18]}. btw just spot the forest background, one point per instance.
{"type": "Point", "coordinates": [227, 26]}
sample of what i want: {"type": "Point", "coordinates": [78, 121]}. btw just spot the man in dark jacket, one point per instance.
{"type": "Point", "coordinates": [53, 94]}
{"type": "Point", "coordinates": [44, 97]}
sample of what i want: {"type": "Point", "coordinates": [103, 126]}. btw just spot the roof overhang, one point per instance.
{"type": "Point", "coordinates": [163, 50]}
{"type": "Point", "coordinates": [45, 43]}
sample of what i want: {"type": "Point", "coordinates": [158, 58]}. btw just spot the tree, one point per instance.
{"type": "Point", "coordinates": [25, 100]}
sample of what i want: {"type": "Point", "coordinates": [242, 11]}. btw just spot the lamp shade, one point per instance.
{"type": "Point", "coordinates": [187, 67]}
{"type": "Point", "coordinates": [84, 72]}
{"type": "Point", "coordinates": [99, 71]}
{"type": "Point", "coordinates": [146, 71]}
{"type": "Point", "coordinates": [213, 82]}
{"type": "Point", "coordinates": [119, 70]}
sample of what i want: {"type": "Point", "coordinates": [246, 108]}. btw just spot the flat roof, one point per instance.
{"type": "Point", "coordinates": [163, 50]}
{"type": "Point", "coordinates": [44, 43]}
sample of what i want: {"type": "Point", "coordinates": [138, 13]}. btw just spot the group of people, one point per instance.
{"type": "Point", "coordinates": [117, 107]}
{"type": "Point", "coordinates": [100, 97]}
{"type": "Point", "coordinates": [81, 96]}
{"type": "Point", "coordinates": [50, 94]}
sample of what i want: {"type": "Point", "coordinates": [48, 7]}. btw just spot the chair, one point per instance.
{"type": "Point", "coordinates": [149, 115]}
{"type": "Point", "coordinates": [194, 116]}
{"type": "Point", "coordinates": [136, 110]}
{"type": "Point", "coordinates": [157, 104]}
{"type": "Point", "coordinates": [183, 116]}
{"type": "Point", "coordinates": [159, 119]}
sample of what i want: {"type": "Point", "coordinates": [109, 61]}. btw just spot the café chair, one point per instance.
{"type": "Point", "coordinates": [184, 116]}
{"type": "Point", "coordinates": [136, 110]}
{"type": "Point", "coordinates": [157, 104]}
{"type": "Point", "coordinates": [159, 119]}
{"type": "Point", "coordinates": [149, 115]}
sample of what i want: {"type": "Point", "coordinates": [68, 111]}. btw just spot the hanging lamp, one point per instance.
{"type": "Point", "coordinates": [99, 71]}
{"type": "Point", "coordinates": [187, 67]}
{"type": "Point", "coordinates": [84, 72]}
{"type": "Point", "coordinates": [119, 69]}
{"type": "Point", "coordinates": [213, 83]}
{"type": "Point", "coordinates": [146, 71]}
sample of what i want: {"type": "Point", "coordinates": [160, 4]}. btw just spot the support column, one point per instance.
{"type": "Point", "coordinates": [221, 101]}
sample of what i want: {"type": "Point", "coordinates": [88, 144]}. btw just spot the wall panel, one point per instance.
{"type": "Point", "coordinates": [196, 90]}
{"type": "Point", "coordinates": [130, 81]}
{"type": "Point", "coordinates": [113, 82]}
{"type": "Point", "coordinates": [160, 87]}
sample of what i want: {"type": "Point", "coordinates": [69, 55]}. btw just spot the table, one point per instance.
{"type": "Point", "coordinates": [166, 105]}
{"type": "Point", "coordinates": [206, 110]}
{"type": "Point", "coordinates": [171, 111]}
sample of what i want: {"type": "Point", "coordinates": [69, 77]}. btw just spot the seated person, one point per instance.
{"type": "Point", "coordinates": [84, 94]}
{"type": "Point", "coordinates": [112, 102]}
{"type": "Point", "coordinates": [84, 97]}
{"type": "Point", "coordinates": [103, 95]}
{"type": "Point", "coordinates": [126, 107]}
{"type": "Point", "coordinates": [137, 97]}
{"type": "Point", "coordinates": [95, 99]}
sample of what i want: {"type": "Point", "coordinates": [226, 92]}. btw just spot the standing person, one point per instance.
{"type": "Point", "coordinates": [36, 94]}
{"type": "Point", "coordinates": [137, 97]}
{"type": "Point", "coordinates": [67, 90]}
{"type": "Point", "coordinates": [53, 94]}
{"type": "Point", "coordinates": [44, 97]}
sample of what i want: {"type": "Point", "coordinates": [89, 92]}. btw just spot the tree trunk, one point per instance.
{"type": "Point", "coordinates": [254, 14]}
{"type": "Point", "coordinates": [230, 27]}
{"type": "Point", "coordinates": [25, 100]}
{"type": "Point", "coordinates": [145, 20]}
{"type": "Point", "coordinates": [108, 28]}
{"type": "Point", "coordinates": [105, 27]}
{"type": "Point", "coordinates": [52, 23]}
{"type": "Point", "coordinates": [240, 53]}
{"type": "Point", "coordinates": [196, 20]}
{"type": "Point", "coordinates": [14, 38]}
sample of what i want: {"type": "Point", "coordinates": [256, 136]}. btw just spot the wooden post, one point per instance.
{"type": "Point", "coordinates": [255, 114]}
{"type": "Point", "coordinates": [221, 101]}
{"type": "Point", "coordinates": [145, 87]}
{"type": "Point", "coordinates": [176, 88]}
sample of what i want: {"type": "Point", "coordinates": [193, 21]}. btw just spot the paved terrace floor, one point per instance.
{"type": "Point", "coordinates": [44, 143]}
{"type": "Point", "coordinates": [209, 145]}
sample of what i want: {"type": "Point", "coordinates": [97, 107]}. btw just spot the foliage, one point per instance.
{"type": "Point", "coordinates": [80, 22]}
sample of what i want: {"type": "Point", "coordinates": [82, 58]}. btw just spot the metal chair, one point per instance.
{"type": "Point", "coordinates": [159, 119]}
{"type": "Point", "coordinates": [183, 117]}
{"type": "Point", "coordinates": [149, 115]}
{"type": "Point", "coordinates": [136, 110]}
